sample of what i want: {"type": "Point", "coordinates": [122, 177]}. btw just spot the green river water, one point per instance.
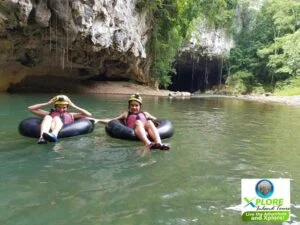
{"type": "Point", "coordinates": [95, 179]}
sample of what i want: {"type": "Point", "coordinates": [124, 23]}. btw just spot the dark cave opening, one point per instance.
{"type": "Point", "coordinates": [197, 74]}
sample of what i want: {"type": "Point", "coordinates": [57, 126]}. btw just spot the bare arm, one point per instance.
{"type": "Point", "coordinates": [36, 109]}
{"type": "Point", "coordinates": [149, 116]}
{"type": "Point", "coordinates": [106, 121]}
{"type": "Point", "coordinates": [82, 112]}
{"type": "Point", "coordinates": [95, 120]}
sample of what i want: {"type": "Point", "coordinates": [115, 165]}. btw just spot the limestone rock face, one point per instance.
{"type": "Point", "coordinates": [208, 42]}
{"type": "Point", "coordinates": [76, 39]}
{"type": "Point", "coordinates": [200, 61]}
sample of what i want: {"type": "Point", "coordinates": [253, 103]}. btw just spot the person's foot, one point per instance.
{"type": "Point", "coordinates": [154, 145]}
{"type": "Point", "coordinates": [42, 141]}
{"type": "Point", "coordinates": [164, 147]}
{"type": "Point", "coordinates": [50, 137]}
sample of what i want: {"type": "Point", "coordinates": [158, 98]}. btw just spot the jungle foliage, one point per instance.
{"type": "Point", "coordinates": [171, 21]}
{"type": "Point", "coordinates": [266, 35]}
{"type": "Point", "coordinates": [267, 45]}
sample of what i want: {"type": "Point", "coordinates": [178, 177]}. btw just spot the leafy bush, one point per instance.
{"type": "Point", "coordinates": [288, 87]}
{"type": "Point", "coordinates": [241, 82]}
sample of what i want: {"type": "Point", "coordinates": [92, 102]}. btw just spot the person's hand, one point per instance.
{"type": "Point", "coordinates": [104, 121]}
{"type": "Point", "coordinates": [52, 100]}
{"type": "Point", "coordinates": [70, 102]}
{"type": "Point", "coordinates": [66, 98]}
{"type": "Point", "coordinates": [156, 122]}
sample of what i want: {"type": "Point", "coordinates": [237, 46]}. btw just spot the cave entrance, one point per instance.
{"type": "Point", "coordinates": [197, 74]}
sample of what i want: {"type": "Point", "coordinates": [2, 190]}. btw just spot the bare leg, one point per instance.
{"type": "Point", "coordinates": [141, 132]}
{"type": "Point", "coordinates": [56, 126]}
{"type": "Point", "coordinates": [153, 132]}
{"type": "Point", "coordinates": [46, 125]}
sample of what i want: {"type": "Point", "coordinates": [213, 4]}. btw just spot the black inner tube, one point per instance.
{"type": "Point", "coordinates": [31, 127]}
{"type": "Point", "coordinates": [117, 129]}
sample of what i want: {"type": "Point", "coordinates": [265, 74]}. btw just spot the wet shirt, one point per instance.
{"type": "Point", "coordinates": [133, 117]}
{"type": "Point", "coordinates": [66, 117]}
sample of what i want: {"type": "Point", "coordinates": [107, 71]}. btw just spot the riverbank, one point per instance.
{"type": "Point", "coordinates": [114, 87]}
{"type": "Point", "coordinates": [119, 87]}
{"type": "Point", "coordinates": [288, 100]}
{"type": "Point", "coordinates": [63, 85]}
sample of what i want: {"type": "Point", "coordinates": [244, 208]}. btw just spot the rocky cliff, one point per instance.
{"type": "Point", "coordinates": [71, 39]}
{"type": "Point", "coordinates": [199, 64]}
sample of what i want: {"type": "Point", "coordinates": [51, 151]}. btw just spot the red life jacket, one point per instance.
{"type": "Point", "coordinates": [66, 117]}
{"type": "Point", "coordinates": [133, 117]}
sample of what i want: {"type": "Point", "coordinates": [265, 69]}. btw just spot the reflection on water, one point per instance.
{"type": "Point", "coordinates": [95, 179]}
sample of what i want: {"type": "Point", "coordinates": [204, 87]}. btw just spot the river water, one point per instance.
{"type": "Point", "coordinates": [95, 179]}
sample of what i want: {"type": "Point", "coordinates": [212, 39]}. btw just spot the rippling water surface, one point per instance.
{"type": "Point", "coordinates": [95, 179]}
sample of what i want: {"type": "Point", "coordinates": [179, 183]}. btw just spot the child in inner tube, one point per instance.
{"type": "Point", "coordinates": [54, 120]}
{"type": "Point", "coordinates": [141, 122]}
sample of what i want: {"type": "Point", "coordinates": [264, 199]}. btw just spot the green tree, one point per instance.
{"type": "Point", "coordinates": [268, 43]}
{"type": "Point", "coordinates": [171, 21]}
{"type": "Point", "coordinates": [283, 52]}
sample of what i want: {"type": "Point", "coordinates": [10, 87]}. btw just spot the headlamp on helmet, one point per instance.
{"type": "Point", "coordinates": [61, 100]}
{"type": "Point", "coordinates": [135, 97]}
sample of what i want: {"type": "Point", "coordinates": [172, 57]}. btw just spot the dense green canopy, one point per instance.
{"type": "Point", "coordinates": [267, 45]}
{"type": "Point", "coordinates": [172, 23]}
{"type": "Point", "coordinates": [266, 35]}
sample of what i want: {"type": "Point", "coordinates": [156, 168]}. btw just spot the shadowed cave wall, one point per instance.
{"type": "Point", "coordinates": [197, 74]}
